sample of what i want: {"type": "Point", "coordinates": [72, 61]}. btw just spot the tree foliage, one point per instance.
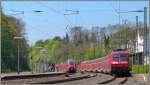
{"type": "Point", "coordinates": [11, 27]}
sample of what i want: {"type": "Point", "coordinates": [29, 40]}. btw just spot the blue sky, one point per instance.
{"type": "Point", "coordinates": [51, 22]}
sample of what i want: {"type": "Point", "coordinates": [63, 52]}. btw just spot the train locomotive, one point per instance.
{"type": "Point", "coordinates": [120, 62]}
{"type": "Point", "coordinates": [69, 66]}
{"type": "Point", "coordinates": [117, 62]}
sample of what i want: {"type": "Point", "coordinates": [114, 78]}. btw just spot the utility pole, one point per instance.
{"type": "Point", "coordinates": [137, 31]}
{"type": "Point", "coordinates": [149, 40]}
{"type": "Point", "coordinates": [32, 62]}
{"type": "Point", "coordinates": [148, 78]}
{"type": "Point", "coordinates": [94, 51]}
{"type": "Point", "coordinates": [18, 58]}
{"type": "Point", "coordinates": [145, 35]}
{"type": "Point", "coordinates": [136, 46]}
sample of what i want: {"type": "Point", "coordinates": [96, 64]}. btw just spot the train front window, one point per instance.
{"type": "Point", "coordinates": [71, 62]}
{"type": "Point", "coordinates": [120, 56]}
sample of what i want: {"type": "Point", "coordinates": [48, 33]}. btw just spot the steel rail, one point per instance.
{"type": "Point", "coordinates": [64, 80]}
{"type": "Point", "coordinates": [107, 81]}
{"type": "Point", "coordinates": [124, 80]}
{"type": "Point", "coordinates": [113, 79]}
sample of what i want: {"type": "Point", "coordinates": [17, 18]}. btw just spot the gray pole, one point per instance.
{"type": "Point", "coordinates": [18, 57]}
{"type": "Point", "coordinates": [149, 42]}
{"type": "Point", "coordinates": [31, 61]}
{"type": "Point", "coordinates": [136, 46]}
{"type": "Point", "coordinates": [145, 35]}
{"type": "Point", "coordinates": [17, 38]}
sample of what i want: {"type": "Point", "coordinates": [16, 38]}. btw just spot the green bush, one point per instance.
{"type": "Point", "coordinates": [140, 68]}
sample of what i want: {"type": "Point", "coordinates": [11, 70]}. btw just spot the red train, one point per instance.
{"type": "Point", "coordinates": [118, 61]}
{"type": "Point", "coordinates": [69, 66]}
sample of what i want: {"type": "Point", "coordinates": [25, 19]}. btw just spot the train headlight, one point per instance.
{"type": "Point", "coordinates": [115, 62]}
{"type": "Point", "coordinates": [124, 62]}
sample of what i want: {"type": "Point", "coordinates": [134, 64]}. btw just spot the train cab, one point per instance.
{"type": "Point", "coordinates": [71, 66]}
{"type": "Point", "coordinates": [119, 61]}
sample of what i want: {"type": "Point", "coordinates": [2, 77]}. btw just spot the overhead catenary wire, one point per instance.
{"type": "Point", "coordinates": [113, 7]}
{"type": "Point", "coordinates": [39, 31]}
{"type": "Point", "coordinates": [48, 22]}
{"type": "Point", "coordinates": [44, 33]}
{"type": "Point", "coordinates": [56, 11]}
{"type": "Point", "coordinates": [32, 26]}
{"type": "Point", "coordinates": [72, 12]}
{"type": "Point", "coordinates": [60, 13]}
{"type": "Point", "coordinates": [64, 15]}
{"type": "Point", "coordinates": [116, 11]}
{"type": "Point", "coordinates": [119, 18]}
{"type": "Point", "coordinates": [50, 8]}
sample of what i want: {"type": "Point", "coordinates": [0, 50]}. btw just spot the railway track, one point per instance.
{"type": "Point", "coordinates": [43, 79]}
{"type": "Point", "coordinates": [65, 79]}
{"type": "Point", "coordinates": [115, 80]}
{"type": "Point", "coordinates": [124, 80]}
{"type": "Point", "coordinates": [26, 76]}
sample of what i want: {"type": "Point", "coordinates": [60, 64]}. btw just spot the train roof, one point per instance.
{"type": "Point", "coordinates": [114, 52]}
{"type": "Point", "coordinates": [119, 50]}
{"type": "Point", "coordinates": [97, 59]}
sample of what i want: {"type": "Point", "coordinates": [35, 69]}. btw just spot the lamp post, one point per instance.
{"type": "Point", "coordinates": [31, 59]}
{"type": "Point", "coordinates": [20, 37]}
{"type": "Point", "coordinates": [40, 55]}
{"type": "Point", "coordinates": [45, 62]}
{"type": "Point", "coordinates": [32, 62]}
{"type": "Point", "coordinates": [17, 38]}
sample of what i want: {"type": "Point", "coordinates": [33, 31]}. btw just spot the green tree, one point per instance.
{"type": "Point", "coordinates": [11, 27]}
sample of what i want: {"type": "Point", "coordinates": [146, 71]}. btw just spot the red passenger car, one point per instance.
{"type": "Point", "coordinates": [117, 61]}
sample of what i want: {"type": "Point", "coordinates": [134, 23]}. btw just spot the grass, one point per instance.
{"type": "Point", "coordinates": [140, 69]}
